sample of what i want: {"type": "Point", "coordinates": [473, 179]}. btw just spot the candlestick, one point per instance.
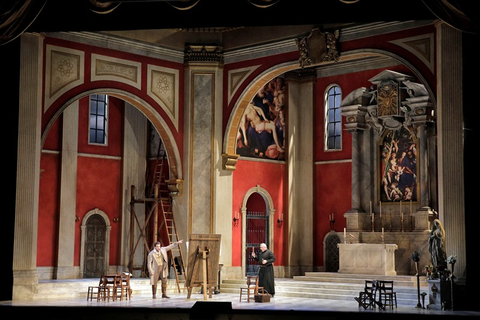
{"type": "Point", "coordinates": [382, 235]}
{"type": "Point", "coordinates": [373, 222]}
{"type": "Point", "coordinates": [401, 218]}
{"type": "Point", "coordinates": [345, 235]}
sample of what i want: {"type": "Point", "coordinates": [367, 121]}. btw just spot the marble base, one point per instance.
{"type": "Point", "coordinates": [366, 258]}
{"type": "Point", "coordinates": [439, 294]}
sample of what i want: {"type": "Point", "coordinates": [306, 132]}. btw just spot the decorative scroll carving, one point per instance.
{"type": "Point", "coordinates": [229, 161]}
{"type": "Point", "coordinates": [318, 47]}
{"type": "Point", "coordinates": [387, 99]}
{"type": "Point", "coordinates": [392, 102]}
{"type": "Point", "coordinates": [175, 187]}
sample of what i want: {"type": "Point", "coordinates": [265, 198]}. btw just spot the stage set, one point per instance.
{"type": "Point", "coordinates": [223, 305]}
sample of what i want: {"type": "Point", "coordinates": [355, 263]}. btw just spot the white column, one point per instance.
{"type": "Point", "coordinates": [25, 276]}
{"type": "Point", "coordinates": [134, 167]}
{"type": "Point", "coordinates": [450, 142]}
{"type": "Point", "coordinates": [300, 173]}
{"type": "Point", "coordinates": [68, 194]}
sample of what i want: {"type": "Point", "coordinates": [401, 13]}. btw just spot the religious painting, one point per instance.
{"type": "Point", "coordinates": [262, 127]}
{"type": "Point", "coordinates": [398, 166]}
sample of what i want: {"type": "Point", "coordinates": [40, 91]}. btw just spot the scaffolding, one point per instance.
{"type": "Point", "coordinates": [159, 223]}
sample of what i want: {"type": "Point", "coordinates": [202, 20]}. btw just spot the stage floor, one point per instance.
{"type": "Point", "coordinates": [220, 306]}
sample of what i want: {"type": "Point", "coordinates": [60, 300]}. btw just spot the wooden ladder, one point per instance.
{"type": "Point", "coordinates": [163, 199]}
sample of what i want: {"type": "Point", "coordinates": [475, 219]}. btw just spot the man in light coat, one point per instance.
{"type": "Point", "coordinates": [157, 263]}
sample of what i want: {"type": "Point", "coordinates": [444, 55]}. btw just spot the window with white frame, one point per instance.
{"type": "Point", "coordinates": [333, 119]}
{"type": "Point", "coordinates": [98, 119]}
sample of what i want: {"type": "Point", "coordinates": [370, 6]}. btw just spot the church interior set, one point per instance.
{"type": "Point", "coordinates": [336, 134]}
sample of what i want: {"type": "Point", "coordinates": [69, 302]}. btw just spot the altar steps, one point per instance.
{"type": "Point", "coordinates": [315, 285]}
{"type": "Point", "coordinates": [336, 286]}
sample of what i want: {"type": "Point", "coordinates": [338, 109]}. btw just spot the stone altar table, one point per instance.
{"type": "Point", "coordinates": [367, 258]}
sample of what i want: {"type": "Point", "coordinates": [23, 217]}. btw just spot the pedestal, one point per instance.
{"type": "Point", "coordinates": [421, 218]}
{"type": "Point", "coordinates": [438, 294]}
{"type": "Point", "coordinates": [357, 221]}
{"type": "Point", "coordinates": [367, 258]}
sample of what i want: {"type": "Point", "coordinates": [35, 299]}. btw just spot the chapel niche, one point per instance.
{"type": "Point", "coordinates": [393, 154]}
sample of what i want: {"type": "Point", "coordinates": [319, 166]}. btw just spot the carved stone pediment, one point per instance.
{"type": "Point", "coordinates": [392, 102]}
{"type": "Point", "coordinates": [318, 47]}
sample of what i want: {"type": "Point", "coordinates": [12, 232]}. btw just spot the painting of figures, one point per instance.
{"type": "Point", "coordinates": [398, 166]}
{"type": "Point", "coordinates": [262, 127]}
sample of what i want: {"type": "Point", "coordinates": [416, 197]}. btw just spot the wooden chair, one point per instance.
{"type": "Point", "coordinates": [388, 297]}
{"type": "Point", "coordinates": [98, 292]}
{"type": "Point", "coordinates": [122, 286]}
{"type": "Point", "coordinates": [367, 297]}
{"type": "Point", "coordinates": [251, 289]}
{"type": "Point", "coordinates": [109, 282]}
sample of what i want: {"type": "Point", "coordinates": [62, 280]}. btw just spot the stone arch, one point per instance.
{"type": "Point", "coordinates": [331, 252]}
{"type": "Point", "coordinates": [171, 147]}
{"type": "Point", "coordinates": [270, 209]}
{"type": "Point", "coordinates": [229, 141]}
{"type": "Point", "coordinates": [83, 227]}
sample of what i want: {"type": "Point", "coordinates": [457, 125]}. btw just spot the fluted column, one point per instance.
{"type": "Point", "coordinates": [450, 142]}
{"type": "Point", "coordinates": [25, 276]}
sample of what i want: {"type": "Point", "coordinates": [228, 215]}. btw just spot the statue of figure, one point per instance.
{"type": "Point", "coordinates": [436, 246]}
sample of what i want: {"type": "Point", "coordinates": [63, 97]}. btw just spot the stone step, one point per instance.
{"type": "Point", "coordinates": [335, 286]}
{"type": "Point", "coordinates": [314, 285]}
{"type": "Point", "coordinates": [407, 281]}
{"type": "Point", "coordinates": [78, 288]}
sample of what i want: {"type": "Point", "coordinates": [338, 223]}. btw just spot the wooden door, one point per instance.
{"type": "Point", "coordinates": [95, 234]}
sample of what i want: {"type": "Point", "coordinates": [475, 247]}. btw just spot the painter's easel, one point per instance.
{"type": "Point", "coordinates": [204, 254]}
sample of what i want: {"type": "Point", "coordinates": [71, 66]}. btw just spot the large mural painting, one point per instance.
{"type": "Point", "coordinates": [262, 127]}
{"type": "Point", "coordinates": [398, 166]}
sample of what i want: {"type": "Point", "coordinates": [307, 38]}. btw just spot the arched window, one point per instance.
{"type": "Point", "coordinates": [333, 118]}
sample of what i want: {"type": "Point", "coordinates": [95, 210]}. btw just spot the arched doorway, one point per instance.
{"type": "Point", "coordinates": [257, 226]}
{"type": "Point", "coordinates": [95, 244]}
{"type": "Point", "coordinates": [257, 230]}
{"type": "Point", "coordinates": [331, 252]}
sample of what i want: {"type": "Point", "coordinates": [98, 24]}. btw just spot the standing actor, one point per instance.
{"type": "Point", "coordinates": [265, 273]}
{"type": "Point", "coordinates": [157, 263]}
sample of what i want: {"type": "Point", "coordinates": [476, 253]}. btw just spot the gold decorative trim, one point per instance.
{"type": "Point", "coordinates": [175, 187]}
{"type": "Point", "coordinates": [229, 161]}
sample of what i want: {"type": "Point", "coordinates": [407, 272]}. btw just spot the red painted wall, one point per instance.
{"type": "Point", "coordinates": [271, 177]}
{"type": "Point", "coordinates": [48, 210]}
{"type": "Point", "coordinates": [99, 180]}
{"type": "Point", "coordinates": [99, 183]}
{"type": "Point", "coordinates": [333, 171]}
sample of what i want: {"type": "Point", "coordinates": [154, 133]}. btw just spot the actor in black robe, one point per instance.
{"type": "Point", "coordinates": [265, 274]}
